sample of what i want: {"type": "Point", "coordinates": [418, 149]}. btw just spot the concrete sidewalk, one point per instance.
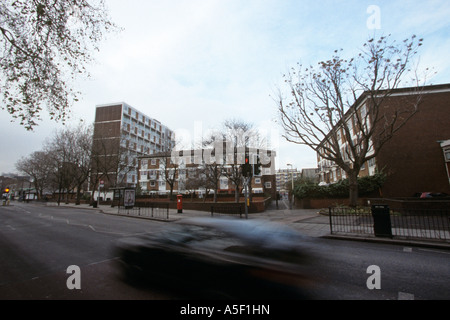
{"type": "Point", "coordinates": [307, 221]}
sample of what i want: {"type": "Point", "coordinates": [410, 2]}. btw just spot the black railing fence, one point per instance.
{"type": "Point", "coordinates": [382, 221]}
{"type": "Point", "coordinates": [158, 210]}
{"type": "Point", "coordinates": [227, 209]}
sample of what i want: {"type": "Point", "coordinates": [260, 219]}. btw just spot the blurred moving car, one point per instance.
{"type": "Point", "coordinates": [220, 259]}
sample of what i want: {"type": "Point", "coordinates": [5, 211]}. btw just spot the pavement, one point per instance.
{"type": "Point", "coordinates": [310, 222]}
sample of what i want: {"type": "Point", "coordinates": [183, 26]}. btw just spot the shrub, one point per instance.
{"type": "Point", "coordinates": [340, 189]}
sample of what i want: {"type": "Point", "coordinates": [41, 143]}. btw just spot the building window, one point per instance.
{"type": "Point", "coordinates": [447, 155]}
{"type": "Point", "coordinates": [223, 183]}
{"type": "Point", "coordinates": [257, 180]}
{"type": "Point", "coordinates": [268, 185]}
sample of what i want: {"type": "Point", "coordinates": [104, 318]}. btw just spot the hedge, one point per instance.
{"type": "Point", "coordinates": [366, 186]}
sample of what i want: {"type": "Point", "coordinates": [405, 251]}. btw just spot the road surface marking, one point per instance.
{"type": "Point", "coordinates": [405, 296]}
{"type": "Point", "coordinates": [435, 251]}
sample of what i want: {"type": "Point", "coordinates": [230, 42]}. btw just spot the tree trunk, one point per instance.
{"type": "Point", "coordinates": [353, 188]}
{"type": "Point", "coordinates": [78, 200]}
{"type": "Point", "coordinates": [92, 200]}
{"type": "Point", "coordinates": [215, 195]}
{"type": "Point", "coordinates": [170, 193]}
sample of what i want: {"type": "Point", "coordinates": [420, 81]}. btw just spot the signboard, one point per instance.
{"type": "Point", "coordinates": [129, 198]}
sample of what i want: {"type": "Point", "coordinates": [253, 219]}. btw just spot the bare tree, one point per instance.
{"type": "Point", "coordinates": [44, 46]}
{"type": "Point", "coordinates": [111, 161]}
{"type": "Point", "coordinates": [70, 151]}
{"type": "Point", "coordinates": [38, 166]}
{"type": "Point", "coordinates": [168, 170]}
{"type": "Point", "coordinates": [102, 162]}
{"type": "Point", "coordinates": [60, 151]}
{"type": "Point", "coordinates": [64, 164]}
{"type": "Point", "coordinates": [236, 136]}
{"type": "Point", "coordinates": [195, 180]}
{"type": "Point", "coordinates": [82, 158]}
{"type": "Point", "coordinates": [325, 108]}
{"type": "Point", "coordinates": [212, 173]}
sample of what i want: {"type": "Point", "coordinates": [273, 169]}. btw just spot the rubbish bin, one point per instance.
{"type": "Point", "coordinates": [381, 220]}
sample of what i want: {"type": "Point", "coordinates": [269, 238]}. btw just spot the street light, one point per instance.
{"type": "Point", "coordinates": [292, 181]}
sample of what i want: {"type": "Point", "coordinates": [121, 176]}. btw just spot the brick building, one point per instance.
{"type": "Point", "coordinates": [121, 134]}
{"type": "Point", "coordinates": [412, 158]}
{"type": "Point", "coordinates": [185, 169]}
{"type": "Point", "coordinates": [446, 150]}
{"type": "Point", "coordinates": [285, 177]}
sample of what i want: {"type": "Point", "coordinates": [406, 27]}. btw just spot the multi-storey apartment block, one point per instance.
{"type": "Point", "coordinates": [412, 158]}
{"type": "Point", "coordinates": [285, 178]}
{"type": "Point", "coordinates": [121, 134]}
{"type": "Point", "coordinates": [185, 171]}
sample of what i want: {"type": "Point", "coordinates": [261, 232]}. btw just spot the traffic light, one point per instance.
{"type": "Point", "coordinates": [257, 167]}
{"type": "Point", "coordinates": [247, 167]}
{"type": "Point", "coordinates": [6, 190]}
{"type": "Point", "coordinates": [251, 168]}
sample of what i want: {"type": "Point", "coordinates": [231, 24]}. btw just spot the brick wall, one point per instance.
{"type": "Point", "coordinates": [413, 158]}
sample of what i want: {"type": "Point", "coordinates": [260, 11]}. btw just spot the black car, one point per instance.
{"type": "Point", "coordinates": [220, 258]}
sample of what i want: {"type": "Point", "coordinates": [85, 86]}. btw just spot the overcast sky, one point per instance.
{"type": "Point", "coordinates": [192, 64]}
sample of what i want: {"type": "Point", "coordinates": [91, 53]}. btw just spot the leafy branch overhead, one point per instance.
{"type": "Point", "coordinates": [45, 45]}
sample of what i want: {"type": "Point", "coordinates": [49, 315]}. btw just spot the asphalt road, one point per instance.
{"type": "Point", "coordinates": [38, 244]}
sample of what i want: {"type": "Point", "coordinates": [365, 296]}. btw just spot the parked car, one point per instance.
{"type": "Point", "coordinates": [426, 195]}
{"type": "Point", "coordinates": [221, 258]}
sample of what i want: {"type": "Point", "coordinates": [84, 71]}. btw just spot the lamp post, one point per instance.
{"type": "Point", "coordinates": [291, 202]}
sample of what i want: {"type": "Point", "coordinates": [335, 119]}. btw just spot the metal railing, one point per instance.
{"type": "Point", "coordinates": [430, 224]}
{"type": "Point", "coordinates": [157, 210]}
{"type": "Point", "coordinates": [348, 221]}
{"type": "Point", "coordinates": [228, 209]}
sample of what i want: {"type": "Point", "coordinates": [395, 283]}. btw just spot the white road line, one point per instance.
{"type": "Point", "coordinates": [405, 296]}
{"type": "Point", "coordinates": [98, 262]}
{"type": "Point", "coordinates": [435, 251]}
{"type": "Point", "coordinates": [407, 249]}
